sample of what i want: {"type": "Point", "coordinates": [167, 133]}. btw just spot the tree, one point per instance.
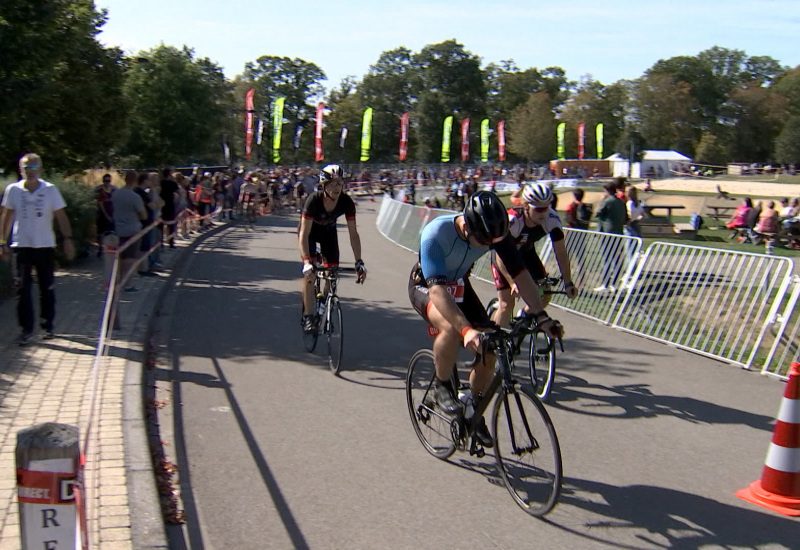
{"type": "Point", "coordinates": [594, 103]}
{"type": "Point", "coordinates": [391, 88]}
{"type": "Point", "coordinates": [666, 113]}
{"type": "Point", "coordinates": [531, 129]}
{"type": "Point", "coordinates": [179, 107]}
{"type": "Point", "coordinates": [787, 145]}
{"type": "Point", "coordinates": [712, 150]}
{"type": "Point", "coordinates": [757, 115]}
{"type": "Point", "coordinates": [59, 88]}
{"type": "Point", "coordinates": [346, 111]}
{"type": "Point", "coordinates": [451, 82]}
{"type": "Point", "coordinates": [297, 80]}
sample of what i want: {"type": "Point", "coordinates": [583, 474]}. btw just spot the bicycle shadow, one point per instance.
{"type": "Point", "coordinates": [658, 517]}
{"type": "Point", "coordinates": [630, 401]}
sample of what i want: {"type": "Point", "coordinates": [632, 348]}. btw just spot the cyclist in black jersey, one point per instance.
{"type": "Point", "coordinates": [528, 224]}
{"type": "Point", "coordinates": [318, 227]}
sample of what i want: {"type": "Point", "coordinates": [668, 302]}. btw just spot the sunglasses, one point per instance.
{"type": "Point", "coordinates": [540, 208]}
{"type": "Point", "coordinates": [31, 167]}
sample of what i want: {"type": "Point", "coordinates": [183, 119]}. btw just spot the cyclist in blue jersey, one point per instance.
{"type": "Point", "coordinates": [527, 225]}
{"type": "Point", "coordinates": [440, 291]}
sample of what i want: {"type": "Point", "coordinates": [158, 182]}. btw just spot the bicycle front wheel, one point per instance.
{"type": "Point", "coordinates": [542, 361]}
{"type": "Point", "coordinates": [526, 451]}
{"type": "Point", "coordinates": [430, 424]}
{"type": "Point", "coordinates": [335, 332]}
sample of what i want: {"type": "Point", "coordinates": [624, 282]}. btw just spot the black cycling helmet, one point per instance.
{"type": "Point", "coordinates": [330, 172]}
{"type": "Point", "coordinates": [486, 217]}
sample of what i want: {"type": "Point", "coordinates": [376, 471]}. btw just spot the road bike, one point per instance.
{"type": "Point", "coordinates": [328, 315]}
{"type": "Point", "coordinates": [527, 452]}
{"type": "Point", "coordinates": [541, 347]}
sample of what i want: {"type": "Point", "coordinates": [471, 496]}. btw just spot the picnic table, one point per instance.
{"type": "Point", "coordinates": [668, 207]}
{"type": "Point", "coordinates": [721, 211]}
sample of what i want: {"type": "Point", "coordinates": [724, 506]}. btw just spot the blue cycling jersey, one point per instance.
{"type": "Point", "coordinates": [445, 257]}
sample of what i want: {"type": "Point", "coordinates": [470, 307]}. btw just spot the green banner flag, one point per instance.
{"type": "Point", "coordinates": [277, 127]}
{"type": "Point", "coordinates": [599, 135]}
{"type": "Point", "coordinates": [366, 134]}
{"type": "Point", "coordinates": [560, 134]}
{"type": "Point", "coordinates": [485, 140]}
{"type": "Point", "coordinates": [447, 130]}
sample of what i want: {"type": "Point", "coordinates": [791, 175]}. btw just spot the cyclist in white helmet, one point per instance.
{"type": "Point", "coordinates": [318, 227]}
{"type": "Point", "coordinates": [529, 223]}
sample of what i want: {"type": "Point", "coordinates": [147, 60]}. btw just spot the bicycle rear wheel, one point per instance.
{"type": "Point", "coordinates": [335, 332]}
{"type": "Point", "coordinates": [527, 452]}
{"type": "Point", "coordinates": [542, 361]}
{"type": "Point", "coordinates": [430, 424]}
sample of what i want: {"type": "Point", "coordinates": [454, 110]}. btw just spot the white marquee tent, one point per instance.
{"type": "Point", "coordinates": [661, 164]}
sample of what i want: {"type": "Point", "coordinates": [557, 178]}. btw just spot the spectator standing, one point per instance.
{"type": "Point", "coordinates": [635, 211]}
{"type": "Point", "coordinates": [129, 213]}
{"type": "Point", "coordinates": [611, 215]}
{"type": "Point", "coordinates": [578, 213]}
{"type": "Point", "coordinates": [105, 210]}
{"type": "Point", "coordinates": [31, 204]}
{"type": "Point", "coordinates": [143, 191]}
{"type": "Point", "coordinates": [168, 194]}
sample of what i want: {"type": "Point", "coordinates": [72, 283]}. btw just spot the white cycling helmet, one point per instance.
{"type": "Point", "coordinates": [330, 172]}
{"type": "Point", "coordinates": [538, 194]}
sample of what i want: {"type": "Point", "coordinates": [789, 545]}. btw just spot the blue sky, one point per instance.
{"type": "Point", "coordinates": [609, 40]}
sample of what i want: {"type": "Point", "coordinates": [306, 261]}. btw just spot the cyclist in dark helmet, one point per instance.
{"type": "Point", "coordinates": [440, 291]}
{"type": "Point", "coordinates": [318, 229]}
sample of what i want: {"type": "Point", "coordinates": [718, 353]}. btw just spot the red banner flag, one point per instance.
{"type": "Point", "coordinates": [249, 108]}
{"type": "Point", "coordinates": [403, 136]}
{"type": "Point", "coordinates": [319, 155]}
{"type": "Point", "coordinates": [581, 139]}
{"type": "Point", "coordinates": [465, 140]}
{"type": "Point", "coordinates": [501, 140]}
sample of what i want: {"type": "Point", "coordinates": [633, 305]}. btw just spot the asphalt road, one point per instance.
{"type": "Point", "coordinates": [276, 452]}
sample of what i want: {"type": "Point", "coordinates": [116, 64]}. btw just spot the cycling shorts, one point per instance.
{"type": "Point", "coordinates": [470, 305]}
{"type": "Point", "coordinates": [327, 238]}
{"type": "Point", "coordinates": [532, 263]}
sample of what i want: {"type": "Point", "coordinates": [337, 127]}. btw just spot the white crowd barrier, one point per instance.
{"type": "Point", "coordinates": [718, 303]}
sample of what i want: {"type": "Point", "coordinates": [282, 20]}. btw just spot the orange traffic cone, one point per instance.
{"type": "Point", "coordinates": [779, 486]}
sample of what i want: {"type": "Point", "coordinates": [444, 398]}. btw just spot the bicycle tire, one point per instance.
{"type": "Point", "coordinates": [527, 452]}
{"type": "Point", "coordinates": [334, 330]}
{"type": "Point", "coordinates": [542, 362]}
{"type": "Point", "coordinates": [431, 426]}
{"type": "Point", "coordinates": [309, 338]}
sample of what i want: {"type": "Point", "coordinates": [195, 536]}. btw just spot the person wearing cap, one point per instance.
{"type": "Point", "coordinates": [440, 291]}
{"type": "Point", "coordinates": [318, 229]}
{"type": "Point", "coordinates": [31, 204]}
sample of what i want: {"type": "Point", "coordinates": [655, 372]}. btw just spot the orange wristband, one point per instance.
{"type": "Point", "coordinates": [464, 330]}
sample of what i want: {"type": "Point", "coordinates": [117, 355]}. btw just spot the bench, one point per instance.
{"type": "Point", "coordinates": [719, 210]}
{"type": "Point", "coordinates": [684, 230]}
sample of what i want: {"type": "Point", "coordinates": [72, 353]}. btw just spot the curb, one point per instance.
{"type": "Point", "coordinates": [141, 435]}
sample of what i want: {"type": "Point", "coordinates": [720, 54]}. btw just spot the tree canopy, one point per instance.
{"type": "Point", "coordinates": [79, 104]}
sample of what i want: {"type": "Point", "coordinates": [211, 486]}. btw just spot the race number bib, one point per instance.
{"type": "Point", "coordinates": [456, 290]}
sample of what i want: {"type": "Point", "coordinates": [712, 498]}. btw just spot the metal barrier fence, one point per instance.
{"type": "Point", "coordinates": [786, 344]}
{"type": "Point", "coordinates": [718, 303]}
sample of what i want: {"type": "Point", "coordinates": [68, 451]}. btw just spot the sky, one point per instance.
{"type": "Point", "coordinates": [609, 40]}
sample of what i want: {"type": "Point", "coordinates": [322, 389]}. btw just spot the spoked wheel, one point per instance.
{"type": "Point", "coordinates": [432, 426]}
{"type": "Point", "coordinates": [542, 360]}
{"type": "Point", "coordinates": [335, 332]}
{"type": "Point", "coordinates": [527, 451]}
{"type": "Point", "coordinates": [309, 338]}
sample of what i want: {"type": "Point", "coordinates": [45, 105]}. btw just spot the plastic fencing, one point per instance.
{"type": "Point", "coordinates": [733, 306]}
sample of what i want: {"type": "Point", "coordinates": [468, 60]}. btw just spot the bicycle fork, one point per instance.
{"type": "Point", "coordinates": [517, 450]}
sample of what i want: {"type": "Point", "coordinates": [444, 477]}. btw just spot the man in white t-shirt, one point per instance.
{"type": "Point", "coordinates": [31, 204]}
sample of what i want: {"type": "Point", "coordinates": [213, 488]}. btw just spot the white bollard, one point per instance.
{"type": "Point", "coordinates": [48, 460]}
